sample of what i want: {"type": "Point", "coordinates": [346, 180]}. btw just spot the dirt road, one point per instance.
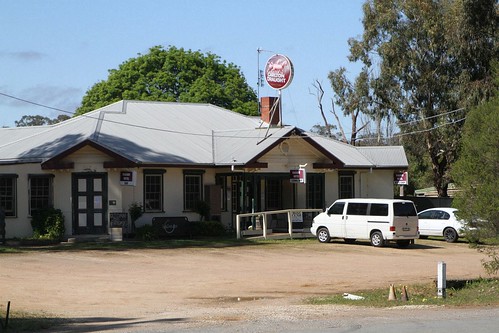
{"type": "Point", "coordinates": [197, 282]}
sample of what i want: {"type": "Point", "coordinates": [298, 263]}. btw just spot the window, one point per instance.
{"type": "Point", "coordinates": [40, 192]}
{"type": "Point", "coordinates": [337, 208]}
{"type": "Point", "coordinates": [222, 181]}
{"type": "Point", "coordinates": [404, 209]}
{"type": "Point", "coordinates": [273, 194]}
{"type": "Point", "coordinates": [193, 189]}
{"type": "Point", "coordinates": [357, 208]}
{"type": "Point", "coordinates": [8, 194]}
{"type": "Point", "coordinates": [443, 215]}
{"type": "Point", "coordinates": [346, 185]}
{"type": "Point", "coordinates": [153, 190]}
{"type": "Point", "coordinates": [315, 191]}
{"type": "Point", "coordinates": [379, 209]}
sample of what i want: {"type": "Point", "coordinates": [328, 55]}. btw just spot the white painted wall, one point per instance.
{"type": "Point", "coordinates": [375, 184]}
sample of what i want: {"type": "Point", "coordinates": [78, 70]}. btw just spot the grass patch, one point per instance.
{"type": "Point", "coordinates": [172, 243]}
{"type": "Point", "coordinates": [480, 292]}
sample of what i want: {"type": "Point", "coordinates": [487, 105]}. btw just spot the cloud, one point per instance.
{"type": "Point", "coordinates": [58, 99]}
{"type": "Point", "coordinates": [23, 55]}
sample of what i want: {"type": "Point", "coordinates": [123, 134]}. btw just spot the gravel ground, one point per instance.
{"type": "Point", "coordinates": [212, 288]}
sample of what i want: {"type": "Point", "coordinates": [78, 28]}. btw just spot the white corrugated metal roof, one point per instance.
{"type": "Point", "coordinates": [172, 133]}
{"type": "Point", "coordinates": [385, 156]}
{"type": "Point", "coordinates": [346, 153]}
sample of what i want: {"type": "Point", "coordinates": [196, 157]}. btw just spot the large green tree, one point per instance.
{"type": "Point", "coordinates": [477, 169]}
{"type": "Point", "coordinates": [174, 75]}
{"type": "Point", "coordinates": [429, 62]}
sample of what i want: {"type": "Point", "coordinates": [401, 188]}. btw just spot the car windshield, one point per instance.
{"type": "Point", "coordinates": [404, 209]}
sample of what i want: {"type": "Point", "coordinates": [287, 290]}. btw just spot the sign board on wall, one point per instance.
{"type": "Point", "coordinates": [298, 176]}
{"type": "Point", "coordinates": [401, 178]}
{"type": "Point", "coordinates": [118, 219]}
{"type": "Point", "coordinates": [128, 178]}
{"type": "Point", "coordinates": [297, 217]}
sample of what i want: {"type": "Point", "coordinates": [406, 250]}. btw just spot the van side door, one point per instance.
{"type": "Point", "coordinates": [356, 220]}
{"type": "Point", "coordinates": [336, 221]}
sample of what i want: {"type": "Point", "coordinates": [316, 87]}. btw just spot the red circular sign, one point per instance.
{"type": "Point", "coordinates": [279, 71]}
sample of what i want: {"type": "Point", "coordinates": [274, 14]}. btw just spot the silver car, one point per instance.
{"type": "Point", "coordinates": [440, 222]}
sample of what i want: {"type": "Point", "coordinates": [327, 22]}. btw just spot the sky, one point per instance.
{"type": "Point", "coordinates": [53, 51]}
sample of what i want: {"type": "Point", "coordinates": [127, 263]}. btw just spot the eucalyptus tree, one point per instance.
{"type": "Point", "coordinates": [432, 62]}
{"type": "Point", "coordinates": [38, 120]}
{"type": "Point", "coordinates": [174, 75]}
{"type": "Point", "coordinates": [477, 168]}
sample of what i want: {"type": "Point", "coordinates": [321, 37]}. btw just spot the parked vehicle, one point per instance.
{"type": "Point", "coordinates": [378, 220]}
{"type": "Point", "coordinates": [441, 222]}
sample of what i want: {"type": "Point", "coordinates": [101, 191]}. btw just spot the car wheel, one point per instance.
{"type": "Point", "coordinates": [377, 239]}
{"type": "Point", "coordinates": [323, 235]}
{"type": "Point", "coordinates": [450, 235]}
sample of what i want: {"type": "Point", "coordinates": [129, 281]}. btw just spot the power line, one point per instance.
{"type": "Point", "coordinates": [34, 103]}
{"type": "Point", "coordinates": [430, 117]}
{"type": "Point", "coordinates": [229, 136]}
{"type": "Point", "coordinates": [415, 132]}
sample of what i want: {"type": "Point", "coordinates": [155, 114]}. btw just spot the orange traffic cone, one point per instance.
{"type": "Point", "coordinates": [391, 295]}
{"type": "Point", "coordinates": [404, 297]}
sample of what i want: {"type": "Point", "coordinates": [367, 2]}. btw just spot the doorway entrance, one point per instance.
{"type": "Point", "coordinates": [89, 192]}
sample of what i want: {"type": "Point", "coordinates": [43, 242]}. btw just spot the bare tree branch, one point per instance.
{"type": "Point", "coordinates": [320, 94]}
{"type": "Point", "coordinates": [344, 137]}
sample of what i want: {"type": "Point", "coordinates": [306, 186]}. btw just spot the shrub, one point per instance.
{"type": "Point", "coordinates": [135, 210]}
{"type": "Point", "coordinates": [203, 209]}
{"type": "Point", "coordinates": [146, 233]}
{"type": "Point", "coordinates": [48, 223]}
{"type": "Point", "coordinates": [208, 228]}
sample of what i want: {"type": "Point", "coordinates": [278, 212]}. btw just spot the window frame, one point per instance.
{"type": "Point", "coordinates": [315, 191]}
{"type": "Point", "coordinates": [159, 175]}
{"type": "Point", "coordinates": [273, 193]}
{"type": "Point", "coordinates": [342, 193]}
{"type": "Point", "coordinates": [48, 196]}
{"type": "Point", "coordinates": [191, 197]}
{"type": "Point", "coordinates": [10, 210]}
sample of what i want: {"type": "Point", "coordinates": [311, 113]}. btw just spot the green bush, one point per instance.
{"type": "Point", "coordinates": [146, 233]}
{"type": "Point", "coordinates": [208, 229]}
{"type": "Point", "coordinates": [203, 209]}
{"type": "Point", "coordinates": [48, 223]}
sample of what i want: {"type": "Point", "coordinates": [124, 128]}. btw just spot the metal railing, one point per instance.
{"type": "Point", "coordinates": [265, 219]}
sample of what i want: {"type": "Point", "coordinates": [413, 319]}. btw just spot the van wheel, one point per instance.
{"type": "Point", "coordinates": [450, 235]}
{"type": "Point", "coordinates": [377, 239]}
{"type": "Point", "coordinates": [323, 235]}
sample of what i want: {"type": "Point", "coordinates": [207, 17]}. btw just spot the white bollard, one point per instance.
{"type": "Point", "coordinates": [442, 280]}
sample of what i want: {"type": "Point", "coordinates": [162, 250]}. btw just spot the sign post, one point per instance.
{"type": "Point", "coordinates": [401, 179]}
{"type": "Point", "coordinates": [279, 73]}
{"type": "Point", "coordinates": [298, 176]}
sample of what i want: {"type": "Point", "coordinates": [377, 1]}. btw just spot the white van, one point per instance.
{"type": "Point", "coordinates": [379, 220]}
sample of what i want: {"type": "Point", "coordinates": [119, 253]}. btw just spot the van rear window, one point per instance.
{"type": "Point", "coordinates": [404, 209]}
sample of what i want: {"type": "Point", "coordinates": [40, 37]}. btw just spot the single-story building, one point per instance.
{"type": "Point", "coordinates": [168, 156]}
